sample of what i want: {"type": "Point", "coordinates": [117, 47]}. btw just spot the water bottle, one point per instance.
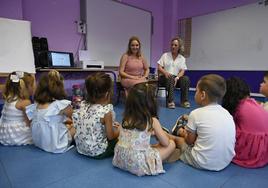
{"type": "Point", "coordinates": [77, 96]}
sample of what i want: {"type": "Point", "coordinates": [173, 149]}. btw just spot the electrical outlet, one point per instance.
{"type": "Point", "coordinates": [81, 27]}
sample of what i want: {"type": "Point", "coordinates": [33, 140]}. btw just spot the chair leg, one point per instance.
{"type": "Point", "coordinates": [119, 90]}
{"type": "Point", "coordinates": [166, 98]}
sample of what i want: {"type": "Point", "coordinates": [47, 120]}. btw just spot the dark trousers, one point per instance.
{"type": "Point", "coordinates": [183, 83]}
{"type": "Point", "coordinates": [109, 150]}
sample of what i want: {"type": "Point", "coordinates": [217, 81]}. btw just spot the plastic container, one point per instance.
{"type": "Point", "coordinates": [77, 96]}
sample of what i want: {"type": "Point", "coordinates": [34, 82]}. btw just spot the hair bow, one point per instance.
{"type": "Point", "coordinates": [17, 76]}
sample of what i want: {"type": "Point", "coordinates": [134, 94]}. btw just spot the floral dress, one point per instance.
{"type": "Point", "coordinates": [90, 136]}
{"type": "Point", "coordinates": [134, 153]}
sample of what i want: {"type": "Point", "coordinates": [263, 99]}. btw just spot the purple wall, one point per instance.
{"type": "Point", "coordinates": [11, 9]}
{"type": "Point", "coordinates": [55, 20]}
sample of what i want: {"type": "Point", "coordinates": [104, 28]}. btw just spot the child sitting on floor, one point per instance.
{"type": "Point", "coordinates": [96, 131]}
{"type": "Point", "coordinates": [49, 114]}
{"type": "Point", "coordinates": [209, 137]}
{"type": "Point", "coordinates": [14, 124]}
{"type": "Point", "coordinates": [133, 152]}
{"type": "Point", "coordinates": [251, 122]}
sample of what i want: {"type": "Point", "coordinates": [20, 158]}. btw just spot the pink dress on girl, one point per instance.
{"type": "Point", "coordinates": [134, 67]}
{"type": "Point", "coordinates": [251, 146]}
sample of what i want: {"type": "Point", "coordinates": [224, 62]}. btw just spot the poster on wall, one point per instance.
{"type": "Point", "coordinates": [16, 53]}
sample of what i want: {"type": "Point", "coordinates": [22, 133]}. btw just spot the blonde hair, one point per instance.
{"type": "Point", "coordinates": [17, 86]}
{"type": "Point", "coordinates": [129, 52]}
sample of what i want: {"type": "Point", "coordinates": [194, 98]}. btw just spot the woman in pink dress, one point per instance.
{"type": "Point", "coordinates": [251, 125]}
{"type": "Point", "coordinates": [133, 66]}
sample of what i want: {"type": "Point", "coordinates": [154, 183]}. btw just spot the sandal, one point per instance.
{"type": "Point", "coordinates": [180, 123]}
{"type": "Point", "coordinates": [186, 104]}
{"type": "Point", "coordinates": [171, 105]}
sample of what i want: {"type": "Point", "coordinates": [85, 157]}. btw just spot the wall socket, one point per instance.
{"type": "Point", "coordinates": [81, 27]}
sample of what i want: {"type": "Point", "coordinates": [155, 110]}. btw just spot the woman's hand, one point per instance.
{"type": "Point", "coordinates": [167, 75]}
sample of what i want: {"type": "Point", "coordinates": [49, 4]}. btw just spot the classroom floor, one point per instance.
{"type": "Point", "coordinates": [30, 167]}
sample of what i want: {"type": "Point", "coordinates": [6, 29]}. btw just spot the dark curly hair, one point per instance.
{"type": "Point", "coordinates": [237, 89]}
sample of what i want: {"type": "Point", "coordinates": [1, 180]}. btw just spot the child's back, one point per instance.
{"type": "Point", "coordinates": [96, 134]}
{"type": "Point", "coordinates": [48, 129]}
{"type": "Point", "coordinates": [251, 125]}
{"type": "Point", "coordinates": [135, 154]}
{"type": "Point", "coordinates": [13, 128]}
{"type": "Point", "coordinates": [90, 137]}
{"type": "Point", "coordinates": [214, 145]}
{"type": "Point", "coordinates": [14, 125]}
{"type": "Point", "coordinates": [49, 114]}
{"type": "Point", "coordinates": [252, 134]}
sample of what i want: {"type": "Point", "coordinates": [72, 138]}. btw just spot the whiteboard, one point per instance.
{"type": "Point", "coordinates": [234, 39]}
{"type": "Point", "coordinates": [16, 53]}
{"type": "Point", "coordinates": [110, 24]}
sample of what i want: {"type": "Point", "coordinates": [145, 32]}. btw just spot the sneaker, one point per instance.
{"type": "Point", "coordinates": [180, 123]}
{"type": "Point", "coordinates": [171, 105]}
{"type": "Point", "coordinates": [186, 104]}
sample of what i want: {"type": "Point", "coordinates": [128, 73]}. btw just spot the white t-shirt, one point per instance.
{"type": "Point", "coordinates": [215, 129]}
{"type": "Point", "coordinates": [170, 65]}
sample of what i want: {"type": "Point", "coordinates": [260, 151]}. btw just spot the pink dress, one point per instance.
{"type": "Point", "coordinates": [251, 122]}
{"type": "Point", "coordinates": [134, 67]}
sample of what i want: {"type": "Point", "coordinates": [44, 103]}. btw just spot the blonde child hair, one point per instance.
{"type": "Point", "coordinates": [17, 91]}
{"type": "Point", "coordinates": [19, 85]}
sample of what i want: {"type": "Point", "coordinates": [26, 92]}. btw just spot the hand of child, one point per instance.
{"type": "Point", "coordinates": [69, 125]}
{"type": "Point", "coordinates": [182, 133]}
{"type": "Point", "coordinates": [116, 124]}
{"type": "Point", "coordinates": [68, 121]}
